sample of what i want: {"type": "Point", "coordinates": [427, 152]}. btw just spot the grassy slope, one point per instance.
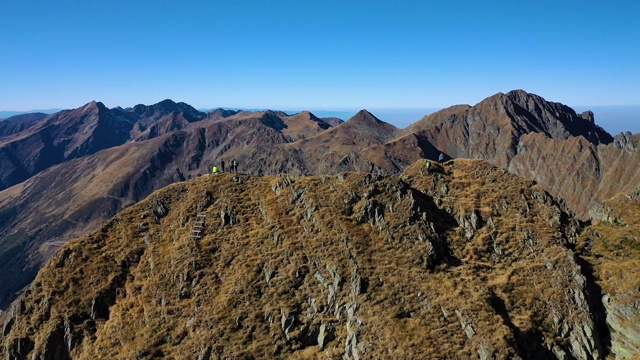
{"type": "Point", "coordinates": [612, 246]}
{"type": "Point", "coordinates": [456, 263]}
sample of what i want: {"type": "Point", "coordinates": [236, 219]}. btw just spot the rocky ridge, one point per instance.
{"type": "Point", "coordinates": [466, 261]}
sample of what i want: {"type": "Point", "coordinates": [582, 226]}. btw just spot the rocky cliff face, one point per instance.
{"type": "Point", "coordinates": [466, 261]}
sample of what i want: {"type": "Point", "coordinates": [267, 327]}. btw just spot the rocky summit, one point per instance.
{"type": "Point", "coordinates": [462, 260]}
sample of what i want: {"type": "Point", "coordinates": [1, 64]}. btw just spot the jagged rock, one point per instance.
{"type": "Point", "coordinates": [584, 341]}
{"type": "Point", "coordinates": [8, 323]}
{"type": "Point", "coordinates": [207, 199]}
{"type": "Point", "coordinates": [470, 223]}
{"type": "Point", "coordinates": [19, 348]}
{"type": "Point", "coordinates": [466, 326]}
{"type": "Point", "coordinates": [288, 323]}
{"type": "Point", "coordinates": [144, 226]}
{"type": "Point", "coordinates": [588, 116]}
{"type": "Point", "coordinates": [321, 335]}
{"type": "Point", "coordinates": [160, 210]}
{"type": "Point", "coordinates": [280, 183]}
{"type": "Point", "coordinates": [371, 212]}
{"type": "Point", "coordinates": [600, 212]}
{"type": "Point", "coordinates": [206, 353]}
{"type": "Point", "coordinates": [625, 140]}
{"type": "Point", "coordinates": [625, 333]}
{"type": "Point", "coordinates": [485, 353]}
{"type": "Point", "coordinates": [228, 217]}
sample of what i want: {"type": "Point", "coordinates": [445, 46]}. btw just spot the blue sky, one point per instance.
{"type": "Point", "coordinates": [316, 54]}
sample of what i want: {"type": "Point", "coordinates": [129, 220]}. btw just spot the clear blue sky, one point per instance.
{"type": "Point", "coordinates": [316, 54]}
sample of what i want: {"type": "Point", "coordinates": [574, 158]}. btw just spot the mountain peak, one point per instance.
{"type": "Point", "coordinates": [309, 115]}
{"type": "Point", "coordinates": [588, 116]}
{"type": "Point", "coordinates": [365, 121]}
{"type": "Point", "coordinates": [519, 93]}
{"type": "Point", "coordinates": [93, 105]}
{"type": "Point", "coordinates": [167, 102]}
{"type": "Point", "coordinates": [166, 107]}
{"type": "Point", "coordinates": [365, 116]}
{"type": "Point", "coordinates": [532, 113]}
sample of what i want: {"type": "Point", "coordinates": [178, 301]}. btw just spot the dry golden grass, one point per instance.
{"type": "Point", "coordinates": [443, 265]}
{"type": "Point", "coordinates": [614, 247]}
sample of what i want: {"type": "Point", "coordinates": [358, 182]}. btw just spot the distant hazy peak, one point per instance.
{"type": "Point", "coordinates": [365, 116]}
{"type": "Point", "coordinates": [277, 113]}
{"type": "Point", "coordinates": [332, 120]}
{"type": "Point", "coordinates": [91, 104]}
{"type": "Point", "coordinates": [167, 105]}
{"type": "Point", "coordinates": [307, 115]}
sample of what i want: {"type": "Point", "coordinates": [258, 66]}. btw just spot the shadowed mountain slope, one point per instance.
{"type": "Point", "coordinates": [465, 261]}
{"type": "Point", "coordinates": [60, 137]}
{"type": "Point", "coordinates": [33, 145]}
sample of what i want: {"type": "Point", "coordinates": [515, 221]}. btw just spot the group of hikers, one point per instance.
{"type": "Point", "coordinates": [428, 162]}
{"type": "Point", "coordinates": [234, 167]}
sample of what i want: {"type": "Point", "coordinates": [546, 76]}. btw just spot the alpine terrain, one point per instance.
{"type": "Point", "coordinates": [332, 240]}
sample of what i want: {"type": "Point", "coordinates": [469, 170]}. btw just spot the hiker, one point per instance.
{"type": "Point", "coordinates": [441, 158]}
{"type": "Point", "coordinates": [215, 169]}
{"type": "Point", "coordinates": [222, 165]}
{"type": "Point", "coordinates": [234, 165]}
{"type": "Point", "coordinates": [428, 165]}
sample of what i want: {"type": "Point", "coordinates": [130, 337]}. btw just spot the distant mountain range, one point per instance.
{"type": "Point", "coordinates": [613, 118]}
{"type": "Point", "coordinates": [319, 113]}
{"type": "Point", "coordinates": [63, 174]}
{"type": "Point", "coordinates": [6, 114]}
{"type": "Point", "coordinates": [330, 232]}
